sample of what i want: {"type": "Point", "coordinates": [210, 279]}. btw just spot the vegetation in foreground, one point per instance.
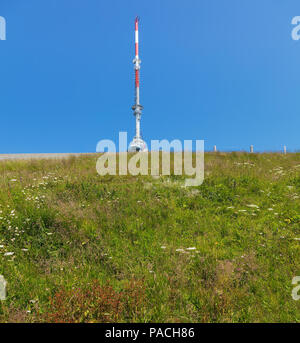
{"type": "Point", "coordinates": [79, 247]}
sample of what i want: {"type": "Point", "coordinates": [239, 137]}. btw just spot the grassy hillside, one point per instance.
{"type": "Point", "coordinates": [76, 246]}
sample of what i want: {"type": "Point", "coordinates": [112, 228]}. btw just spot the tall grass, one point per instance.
{"type": "Point", "coordinates": [125, 248]}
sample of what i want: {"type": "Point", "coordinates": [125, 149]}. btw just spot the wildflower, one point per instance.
{"type": "Point", "coordinates": [163, 247]}
{"type": "Point", "coordinates": [191, 248]}
{"type": "Point", "coordinates": [179, 250]}
{"type": "Point", "coordinates": [253, 206]}
{"type": "Point", "coordinates": [8, 253]}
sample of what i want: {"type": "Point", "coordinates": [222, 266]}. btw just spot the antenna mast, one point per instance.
{"type": "Point", "coordinates": [137, 144]}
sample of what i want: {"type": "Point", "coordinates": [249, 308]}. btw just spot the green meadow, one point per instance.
{"type": "Point", "coordinates": [79, 247]}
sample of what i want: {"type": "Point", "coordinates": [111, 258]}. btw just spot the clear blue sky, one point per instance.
{"type": "Point", "coordinates": [226, 71]}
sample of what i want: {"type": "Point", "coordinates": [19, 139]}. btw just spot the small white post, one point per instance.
{"type": "Point", "coordinates": [3, 284]}
{"type": "Point", "coordinates": [215, 148]}
{"type": "Point", "coordinates": [284, 149]}
{"type": "Point", "coordinates": [251, 148]}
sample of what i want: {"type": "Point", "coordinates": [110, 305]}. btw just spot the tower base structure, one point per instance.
{"type": "Point", "coordinates": [137, 145]}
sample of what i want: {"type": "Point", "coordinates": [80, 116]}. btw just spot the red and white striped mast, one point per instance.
{"type": "Point", "coordinates": [137, 144]}
{"type": "Point", "coordinates": [137, 63]}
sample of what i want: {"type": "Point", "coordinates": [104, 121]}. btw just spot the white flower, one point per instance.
{"type": "Point", "coordinates": [163, 247]}
{"type": "Point", "coordinates": [180, 250]}
{"type": "Point", "coordinates": [8, 253]}
{"type": "Point", "coordinates": [191, 248]}
{"type": "Point", "coordinates": [253, 206]}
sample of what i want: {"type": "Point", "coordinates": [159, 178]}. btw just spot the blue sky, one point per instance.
{"type": "Point", "coordinates": [226, 71]}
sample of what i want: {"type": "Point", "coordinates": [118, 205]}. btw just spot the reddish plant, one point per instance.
{"type": "Point", "coordinates": [96, 303]}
